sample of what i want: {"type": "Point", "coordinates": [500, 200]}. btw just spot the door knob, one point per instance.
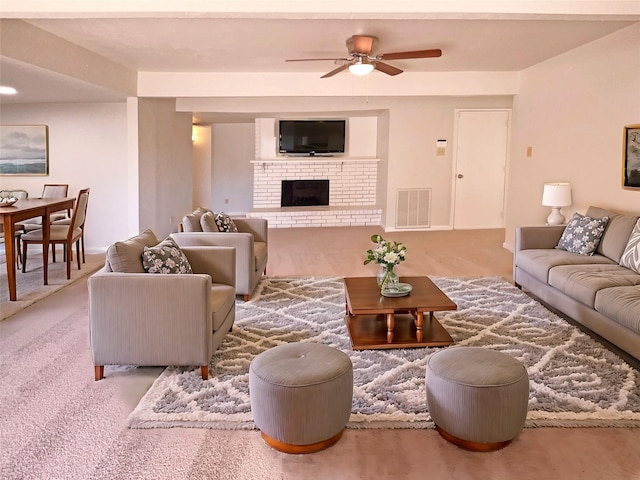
{"type": "Point", "coordinates": [460, 175]}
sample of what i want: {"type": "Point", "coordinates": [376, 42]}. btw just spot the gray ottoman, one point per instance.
{"type": "Point", "coordinates": [477, 397]}
{"type": "Point", "coordinates": [301, 395]}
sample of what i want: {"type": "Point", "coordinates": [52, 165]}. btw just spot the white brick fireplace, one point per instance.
{"type": "Point", "coordinates": [352, 179]}
{"type": "Point", "coordinates": [352, 191]}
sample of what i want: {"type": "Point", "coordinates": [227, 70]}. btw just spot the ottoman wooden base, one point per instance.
{"type": "Point", "coordinates": [289, 448]}
{"type": "Point", "coordinates": [473, 446]}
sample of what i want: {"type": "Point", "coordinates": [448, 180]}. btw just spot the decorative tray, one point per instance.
{"type": "Point", "coordinates": [400, 291]}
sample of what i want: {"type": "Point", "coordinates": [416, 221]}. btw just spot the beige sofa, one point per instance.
{"type": "Point", "coordinates": [593, 290]}
{"type": "Point", "coordinates": [251, 244]}
{"type": "Point", "coordinates": [138, 318]}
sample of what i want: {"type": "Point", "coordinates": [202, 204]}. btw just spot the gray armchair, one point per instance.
{"type": "Point", "coordinates": [138, 318]}
{"type": "Point", "coordinates": [251, 244]}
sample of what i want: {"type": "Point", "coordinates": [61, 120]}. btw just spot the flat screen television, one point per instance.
{"type": "Point", "coordinates": [311, 137]}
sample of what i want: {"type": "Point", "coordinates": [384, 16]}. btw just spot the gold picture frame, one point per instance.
{"type": "Point", "coordinates": [631, 156]}
{"type": "Point", "coordinates": [24, 150]}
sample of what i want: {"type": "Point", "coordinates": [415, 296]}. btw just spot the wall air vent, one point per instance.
{"type": "Point", "coordinates": [413, 208]}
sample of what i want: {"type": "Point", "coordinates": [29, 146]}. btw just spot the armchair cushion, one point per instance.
{"type": "Point", "coordinates": [260, 250]}
{"type": "Point", "coordinates": [126, 256]}
{"type": "Point", "coordinates": [166, 257]}
{"type": "Point", "coordinates": [225, 224]}
{"type": "Point", "coordinates": [208, 222]}
{"type": "Point", "coordinates": [223, 300]}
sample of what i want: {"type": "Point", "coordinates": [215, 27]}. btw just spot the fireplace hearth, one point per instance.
{"type": "Point", "coordinates": [304, 193]}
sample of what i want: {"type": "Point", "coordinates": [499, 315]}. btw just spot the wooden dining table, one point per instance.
{"type": "Point", "coordinates": [22, 210]}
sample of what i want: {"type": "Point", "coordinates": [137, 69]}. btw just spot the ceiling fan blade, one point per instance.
{"type": "Point", "coordinates": [436, 52]}
{"type": "Point", "coordinates": [337, 70]}
{"type": "Point", "coordinates": [315, 59]}
{"type": "Point", "coordinates": [361, 44]}
{"type": "Point", "coordinates": [386, 68]}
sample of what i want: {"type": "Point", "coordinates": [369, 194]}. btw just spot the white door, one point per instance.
{"type": "Point", "coordinates": [481, 141]}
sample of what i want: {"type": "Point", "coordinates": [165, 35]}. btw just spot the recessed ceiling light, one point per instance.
{"type": "Point", "coordinates": [7, 90]}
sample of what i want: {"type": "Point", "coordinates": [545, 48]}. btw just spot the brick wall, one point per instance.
{"type": "Point", "coordinates": [351, 182]}
{"type": "Point", "coordinates": [352, 192]}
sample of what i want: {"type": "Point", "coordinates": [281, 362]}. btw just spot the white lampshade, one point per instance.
{"type": "Point", "coordinates": [556, 196]}
{"type": "Point", "coordinates": [361, 68]}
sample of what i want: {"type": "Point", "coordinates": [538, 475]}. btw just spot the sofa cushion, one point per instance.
{"type": "Point", "coordinates": [166, 257]}
{"type": "Point", "coordinates": [225, 224]}
{"type": "Point", "coordinates": [191, 222]}
{"type": "Point", "coordinates": [582, 282]}
{"type": "Point", "coordinates": [538, 262]}
{"type": "Point", "coordinates": [126, 257]}
{"type": "Point", "coordinates": [582, 234]}
{"type": "Point", "coordinates": [631, 256]}
{"type": "Point", "coordinates": [616, 234]}
{"type": "Point", "coordinates": [222, 301]}
{"type": "Point", "coordinates": [208, 222]}
{"type": "Point", "coordinates": [622, 305]}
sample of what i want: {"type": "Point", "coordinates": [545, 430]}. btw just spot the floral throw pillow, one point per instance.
{"type": "Point", "coordinates": [631, 255]}
{"type": "Point", "coordinates": [582, 234]}
{"type": "Point", "coordinates": [166, 257]}
{"type": "Point", "coordinates": [225, 224]}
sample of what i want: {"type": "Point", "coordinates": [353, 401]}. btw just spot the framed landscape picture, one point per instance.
{"type": "Point", "coordinates": [631, 156]}
{"type": "Point", "coordinates": [24, 150]}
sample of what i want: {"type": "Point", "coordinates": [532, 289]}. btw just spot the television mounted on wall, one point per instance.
{"type": "Point", "coordinates": [311, 137]}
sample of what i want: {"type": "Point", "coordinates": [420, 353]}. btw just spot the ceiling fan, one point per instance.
{"type": "Point", "coordinates": [362, 60]}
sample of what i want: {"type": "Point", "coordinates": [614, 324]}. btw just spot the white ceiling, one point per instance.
{"type": "Point", "coordinates": [262, 44]}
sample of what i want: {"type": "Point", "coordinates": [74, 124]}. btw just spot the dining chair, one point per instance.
{"type": "Point", "coordinates": [67, 221]}
{"type": "Point", "coordinates": [49, 190]}
{"type": "Point", "coordinates": [65, 235]}
{"type": "Point", "coordinates": [56, 190]}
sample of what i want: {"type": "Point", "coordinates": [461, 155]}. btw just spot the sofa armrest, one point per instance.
{"type": "Point", "coordinates": [217, 262]}
{"type": "Point", "coordinates": [539, 236]}
{"type": "Point", "coordinates": [258, 227]}
{"type": "Point", "coordinates": [140, 318]}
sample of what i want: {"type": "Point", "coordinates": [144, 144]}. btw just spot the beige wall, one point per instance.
{"type": "Point", "coordinates": [87, 148]}
{"type": "Point", "coordinates": [202, 160]}
{"type": "Point", "coordinates": [408, 128]}
{"type": "Point", "coordinates": [165, 165]}
{"type": "Point", "coordinates": [233, 147]}
{"type": "Point", "coordinates": [571, 110]}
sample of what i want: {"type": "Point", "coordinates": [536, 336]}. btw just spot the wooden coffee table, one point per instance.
{"type": "Point", "coordinates": [377, 322]}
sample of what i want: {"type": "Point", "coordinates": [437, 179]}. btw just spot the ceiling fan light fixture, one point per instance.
{"type": "Point", "coordinates": [361, 68]}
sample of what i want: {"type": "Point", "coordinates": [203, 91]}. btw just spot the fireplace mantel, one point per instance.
{"type": "Point", "coordinates": [313, 160]}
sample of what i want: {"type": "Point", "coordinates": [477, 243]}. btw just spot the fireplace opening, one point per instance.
{"type": "Point", "coordinates": [304, 193]}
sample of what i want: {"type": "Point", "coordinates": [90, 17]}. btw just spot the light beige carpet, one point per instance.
{"type": "Point", "coordinates": [57, 423]}
{"type": "Point", "coordinates": [29, 285]}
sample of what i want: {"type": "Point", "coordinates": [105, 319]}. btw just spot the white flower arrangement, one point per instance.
{"type": "Point", "coordinates": [385, 253]}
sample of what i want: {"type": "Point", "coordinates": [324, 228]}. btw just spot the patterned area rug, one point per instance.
{"type": "Point", "coordinates": [574, 381]}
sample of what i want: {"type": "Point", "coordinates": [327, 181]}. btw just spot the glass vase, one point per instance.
{"type": "Point", "coordinates": [387, 278]}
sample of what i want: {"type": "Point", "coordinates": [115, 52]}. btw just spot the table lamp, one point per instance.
{"type": "Point", "coordinates": [556, 196]}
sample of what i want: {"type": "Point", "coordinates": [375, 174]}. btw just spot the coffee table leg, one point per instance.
{"type": "Point", "coordinates": [419, 324]}
{"type": "Point", "coordinates": [390, 323]}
